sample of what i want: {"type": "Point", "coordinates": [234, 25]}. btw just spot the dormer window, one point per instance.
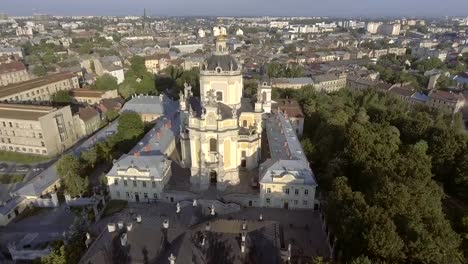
{"type": "Point", "coordinates": [218, 69]}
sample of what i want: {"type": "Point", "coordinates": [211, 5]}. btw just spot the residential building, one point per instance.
{"type": "Point", "coordinates": [157, 62]}
{"type": "Point", "coordinates": [148, 107]}
{"type": "Point", "coordinates": [193, 61]}
{"type": "Point", "coordinates": [373, 27]}
{"type": "Point", "coordinates": [427, 52]}
{"type": "Point", "coordinates": [293, 112]}
{"type": "Point", "coordinates": [188, 48]}
{"type": "Point", "coordinates": [111, 105]}
{"type": "Point", "coordinates": [390, 29]}
{"type": "Point", "coordinates": [13, 72]}
{"type": "Point", "coordinates": [329, 82]}
{"type": "Point", "coordinates": [92, 97]}
{"type": "Point", "coordinates": [89, 121]}
{"type": "Point", "coordinates": [358, 83]}
{"type": "Point", "coordinates": [40, 130]}
{"type": "Point", "coordinates": [447, 101]}
{"type": "Point", "coordinates": [11, 51]}
{"type": "Point", "coordinates": [286, 180]}
{"type": "Point", "coordinates": [292, 83]}
{"type": "Point", "coordinates": [24, 31]}
{"type": "Point", "coordinates": [142, 174]}
{"type": "Point", "coordinates": [40, 89]}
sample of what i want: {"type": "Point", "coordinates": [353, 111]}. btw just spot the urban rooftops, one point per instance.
{"type": "Point", "coordinates": [34, 83]}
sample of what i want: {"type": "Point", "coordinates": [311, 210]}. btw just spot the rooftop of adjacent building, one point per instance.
{"type": "Point", "coordinates": [299, 80]}
{"type": "Point", "coordinates": [24, 112]}
{"type": "Point", "coordinates": [287, 155]}
{"type": "Point", "coordinates": [34, 83]}
{"type": "Point", "coordinates": [289, 107]}
{"type": "Point", "coordinates": [145, 104]}
{"type": "Point", "coordinates": [87, 113]}
{"type": "Point", "coordinates": [446, 96]}
{"type": "Point", "coordinates": [12, 66]}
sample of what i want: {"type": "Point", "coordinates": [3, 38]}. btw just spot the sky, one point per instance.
{"type": "Point", "coordinates": [354, 8]}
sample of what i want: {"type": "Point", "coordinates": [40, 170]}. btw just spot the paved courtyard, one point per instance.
{"type": "Point", "coordinates": [47, 225]}
{"type": "Point", "coordinates": [300, 228]}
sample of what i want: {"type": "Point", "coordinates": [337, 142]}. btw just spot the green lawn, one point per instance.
{"type": "Point", "coordinates": [114, 206]}
{"type": "Point", "coordinates": [7, 156]}
{"type": "Point", "coordinates": [11, 178]}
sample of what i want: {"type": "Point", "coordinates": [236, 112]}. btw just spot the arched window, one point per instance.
{"type": "Point", "coordinates": [213, 145]}
{"type": "Point", "coordinates": [264, 97]}
{"type": "Point", "coordinates": [220, 48]}
{"type": "Point", "coordinates": [219, 96]}
{"type": "Point", "coordinates": [244, 123]}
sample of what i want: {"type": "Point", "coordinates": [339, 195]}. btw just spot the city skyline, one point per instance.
{"type": "Point", "coordinates": [334, 8]}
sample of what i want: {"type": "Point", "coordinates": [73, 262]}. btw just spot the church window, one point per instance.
{"type": "Point", "coordinates": [306, 192]}
{"type": "Point", "coordinates": [296, 192]}
{"type": "Point", "coordinates": [244, 123]}
{"type": "Point", "coordinates": [219, 96]}
{"type": "Point", "coordinates": [243, 154]}
{"type": "Point", "coordinates": [268, 190]}
{"type": "Point", "coordinates": [213, 145]}
{"type": "Point", "coordinates": [286, 191]}
{"type": "Point", "coordinates": [264, 99]}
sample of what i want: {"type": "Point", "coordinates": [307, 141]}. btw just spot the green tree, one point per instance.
{"type": "Point", "coordinates": [61, 97]}
{"type": "Point", "coordinates": [90, 157]}
{"type": "Point", "coordinates": [130, 126]}
{"type": "Point", "coordinates": [105, 82]}
{"type": "Point", "coordinates": [39, 70]}
{"type": "Point", "coordinates": [111, 115]}
{"type": "Point", "coordinates": [58, 256]}
{"type": "Point", "coordinates": [68, 169]}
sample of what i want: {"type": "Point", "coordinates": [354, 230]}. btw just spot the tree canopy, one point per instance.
{"type": "Point", "coordinates": [105, 82]}
{"type": "Point", "coordinates": [61, 97]}
{"type": "Point", "coordinates": [380, 164]}
{"type": "Point", "coordinates": [69, 171]}
{"type": "Point", "coordinates": [130, 125]}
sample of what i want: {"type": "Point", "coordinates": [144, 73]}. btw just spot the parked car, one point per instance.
{"type": "Point", "coordinates": [22, 168]}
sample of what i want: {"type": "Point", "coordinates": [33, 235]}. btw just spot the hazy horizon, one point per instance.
{"type": "Point", "coordinates": [333, 8]}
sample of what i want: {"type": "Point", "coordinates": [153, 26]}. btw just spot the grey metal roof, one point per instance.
{"type": "Point", "coordinates": [225, 62]}
{"type": "Point", "coordinates": [144, 104]}
{"type": "Point", "coordinates": [278, 168]}
{"type": "Point", "coordinates": [10, 205]}
{"type": "Point", "coordinates": [156, 165]}
{"type": "Point", "coordinates": [39, 183]}
{"type": "Point", "coordinates": [157, 140]}
{"type": "Point", "coordinates": [299, 80]}
{"type": "Point", "coordinates": [287, 155]}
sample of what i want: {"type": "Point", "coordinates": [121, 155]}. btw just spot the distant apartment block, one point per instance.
{"type": "Point", "coordinates": [292, 83]}
{"type": "Point", "coordinates": [157, 62]}
{"type": "Point", "coordinates": [39, 89]}
{"type": "Point", "coordinates": [13, 72]}
{"type": "Point", "coordinates": [92, 97]}
{"type": "Point", "coordinates": [448, 101]}
{"type": "Point", "coordinates": [329, 82]}
{"type": "Point", "coordinates": [11, 51]}
{"type": "Point", "coordinates": [40, 130]}
{"type": "Point", "coordinates": [429, 52]}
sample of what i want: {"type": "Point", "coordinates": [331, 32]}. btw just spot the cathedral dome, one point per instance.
{"type": "Point", "coordinates": [220, 63]}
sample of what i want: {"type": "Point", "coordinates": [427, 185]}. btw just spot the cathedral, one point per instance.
{"type": "Point", "coordinates": [221, 132]}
